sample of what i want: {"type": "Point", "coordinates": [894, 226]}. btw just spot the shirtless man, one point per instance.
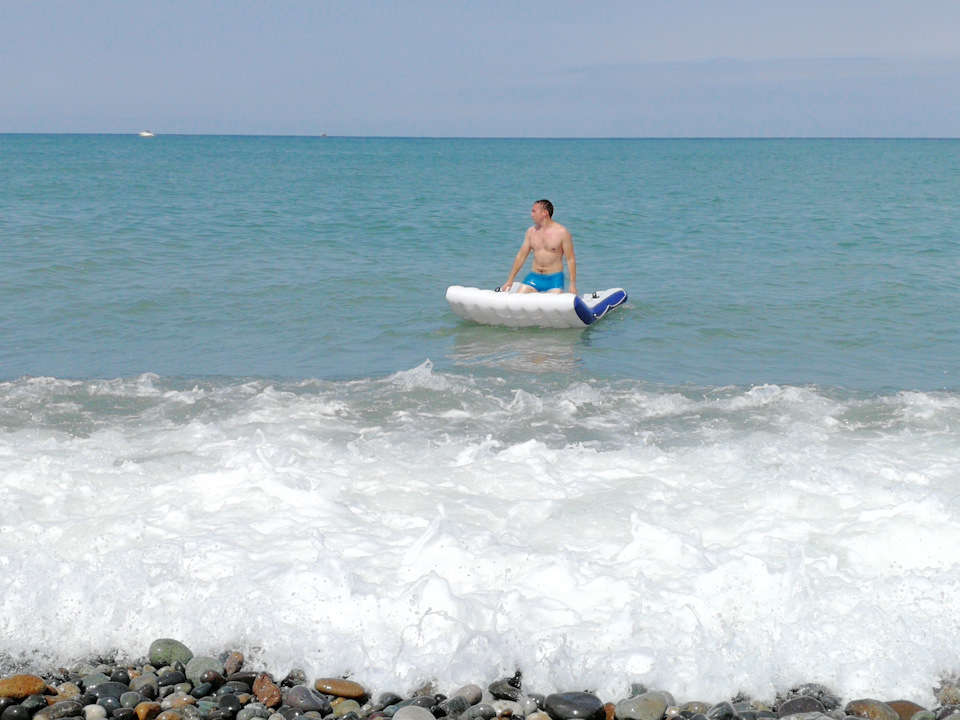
{"type": "Point", "coordinates": [551, 243]}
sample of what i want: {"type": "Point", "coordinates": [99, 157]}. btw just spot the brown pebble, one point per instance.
{"type": "Point", "coordinates": [610, 709]}
{"type": "Point", "coordinates": [181, 700]}
{"type": "Point", "coordinates": [169, 715]}
{"type": "Point", "coordinates": [233, 663]}
{"type": "Point", "coordinates": [147, 710]}
{"type": "Point", "coordinates": [213, 677]}
{"type": "Point", "coordinates": [340, 688]}
{"type": "Point", "coordinates": [905, 709]}
{"type": "Point", "coordinates": [267, 691]}
{"type": "Point", "coordinates": [68, 691]}
{"type": "Point", "coordinates": [19, 687]}
{"type": "Point", "coordinates": [870, 709]}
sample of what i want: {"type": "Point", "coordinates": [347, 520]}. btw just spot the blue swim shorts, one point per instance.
{"type": "Point", "coordinates": [542, 283]}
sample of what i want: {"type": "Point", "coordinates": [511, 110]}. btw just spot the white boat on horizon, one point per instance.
{"type": "Point", "coordinates": [147, 133]}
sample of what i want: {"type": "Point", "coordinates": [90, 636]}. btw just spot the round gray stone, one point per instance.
{"type": "Point", "coordinates": [649, 706]}
{"type": "Point", "coordinates": [574, 706]}
{"type": "Point", "coordinates": [413, 712]}
{"type": "Point", "coordinates": [483, 711]}
{"type": "Point", "coordinates": [471, 693]}
{"type": "Point", "coordinates": [167, 651]}
{"type": "Point", "coordinates": [800, 705]}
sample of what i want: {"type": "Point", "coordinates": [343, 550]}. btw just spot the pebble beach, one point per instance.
{"type": "Point", "coordinates": [174, 684]}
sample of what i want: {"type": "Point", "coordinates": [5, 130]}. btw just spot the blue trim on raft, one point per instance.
{"type": "Point", "coordinates": [587, 314]}
{"type": "Point", "coordinates": [583, 312]}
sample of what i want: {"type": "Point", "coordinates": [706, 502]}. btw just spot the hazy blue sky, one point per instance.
{"type": "Point", "coordinates": [472, 68]}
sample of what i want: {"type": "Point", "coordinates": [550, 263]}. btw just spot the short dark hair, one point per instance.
{"type": "Point", "coordinates": [546, 205]}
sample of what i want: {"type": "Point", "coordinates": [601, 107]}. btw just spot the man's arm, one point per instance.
{"type": "Point", "coordinates": [518, 262]}
{"type": "Point", "coordinates": [571, 262]}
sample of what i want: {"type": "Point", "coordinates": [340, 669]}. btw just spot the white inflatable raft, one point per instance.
{"type": "Point", "coordinates": [513, 309]}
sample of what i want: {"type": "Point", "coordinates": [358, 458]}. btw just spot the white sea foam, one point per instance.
{"type": "Point", "coordinates": [455, 527]}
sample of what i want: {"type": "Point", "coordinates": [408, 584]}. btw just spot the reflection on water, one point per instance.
{"type": "Point", "coordinates": [537, 350]}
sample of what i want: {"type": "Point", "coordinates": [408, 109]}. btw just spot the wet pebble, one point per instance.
{"type": "Point", "coordinates": [15, 712]}
{"type": "Point", "coordinates": [94, 712]}
{"type": "Point", "coordinates": [62, 709]}
{"type": "Point", "coordinates": [92, 680]}
{"type": "Point", "coordinates": [68, 691]}
{"type": "Point", "coordinates": [413, 712]}
{"type": "Point", "coordinates": [722, 711]}
{"type": "Point", "coordinates": [232, 662]}
{"type": "Point", "coordinates": [305, 698]}
{"type": "Point", "coordinates": [230, 703]}
{"type": "Point", "coordinates": [827, 698]}
{"type": "Point", "coordinates": [121, 676]}
{"type": "Point", "coordinates": [648, 706]}
{"type": "Point", "coordinates": [245, 677]}
{"type": "Point", "coordinates": [800, 705]}
{"type": "Point", "coordinates": [870, 709]}
{"type": "Point", "coordinates": [505, 690]}
{"type": "Point", "coordinates": [574, 706]}
{"type": "Point", "coordinates": [109, 703]}
{"type": "Point", "coordinates": [480, 711]}
{"type": "Point", "coordinates": [212, 677]}
{"type": "Point", "coordinates": [345, 708]}
{"type": "Point", "coordinates": [905, 709]}
{"type": "Point", "coordinates": [170, 678]}
{"type": "Point", "coordinates": [341, 688]}
{"type": "Point", "coordinates": [34, 703]}
{"type": "Point", "coordinates": [147, 710]}
{"type": "Point", "coordinates": [471, 693]}
{"type": "Point", "coordinates": [167, 651]}
{"type": "Point", "coordinates": [253, 711]}
{"type": "Point", "coordinates": [267, 691]}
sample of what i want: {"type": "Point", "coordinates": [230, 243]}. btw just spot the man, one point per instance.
{"type": "Point", "coordinates": [551, 243]}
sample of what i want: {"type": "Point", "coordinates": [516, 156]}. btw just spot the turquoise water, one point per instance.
{"type": "Point", "coordinates": [832, 262]}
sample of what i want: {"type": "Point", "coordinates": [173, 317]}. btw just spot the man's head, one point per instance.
{"type": "Point", "coordinates": [546, 206]}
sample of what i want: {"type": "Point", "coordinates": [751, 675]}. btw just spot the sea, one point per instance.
{"type": "Point", "coordinates": [236, 410]}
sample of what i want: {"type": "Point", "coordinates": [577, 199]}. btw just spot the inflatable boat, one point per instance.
{"type": "Point", "coordinates": [551, 310]}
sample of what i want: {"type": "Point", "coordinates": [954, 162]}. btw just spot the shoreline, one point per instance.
{"type": "Point", "coordinates": [171, 683]}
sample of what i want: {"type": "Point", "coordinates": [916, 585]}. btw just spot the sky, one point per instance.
{"type": "Point", "coordinates": [496, 68]}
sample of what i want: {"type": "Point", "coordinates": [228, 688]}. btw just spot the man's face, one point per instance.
{"type": "Point", "coordinates": [538, 213]}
